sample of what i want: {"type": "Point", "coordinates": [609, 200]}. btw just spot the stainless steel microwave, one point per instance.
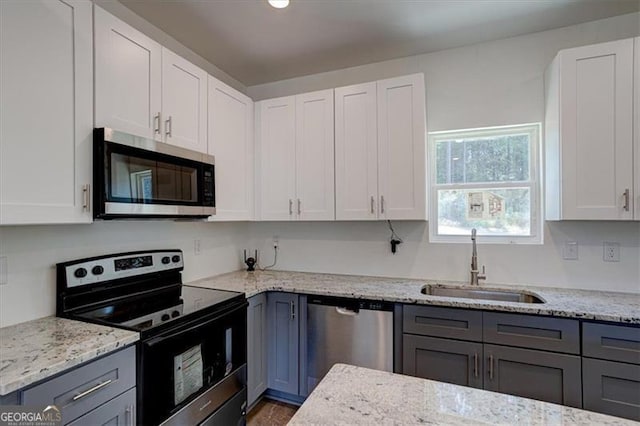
{"type": "Point", "coordinates": [134, 177]}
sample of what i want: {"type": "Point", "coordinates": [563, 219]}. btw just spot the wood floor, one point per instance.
{"type": "Point", "coordinates": [271, 413]}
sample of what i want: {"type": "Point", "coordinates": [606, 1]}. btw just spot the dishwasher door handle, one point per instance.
{"type": "Point", "coordinates": [345, 311]}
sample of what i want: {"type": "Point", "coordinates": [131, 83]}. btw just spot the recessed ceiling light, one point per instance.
{"type": "Point", "coordinates": [279, 4]}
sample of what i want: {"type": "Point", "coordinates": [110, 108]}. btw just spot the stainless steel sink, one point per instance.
{"type": "Point", "coordinates": [484, 294]}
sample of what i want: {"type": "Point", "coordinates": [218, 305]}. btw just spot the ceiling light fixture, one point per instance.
{"type": "Point", "coordinates": [279, 4]}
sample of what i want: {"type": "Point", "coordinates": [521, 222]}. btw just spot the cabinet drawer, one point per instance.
{"type": "Point", "coordinates": [612, 342]}
{"type": "Point", "coordinates": [85, 388]}
{"type": "Point", "coordinates": [121, 410]}
{"type": "Point", "coordinates": [442, 322]}
{"type": "Point", "coordinates": [611, 388]}
{"type": "Point", "coordinates": [546, 333]}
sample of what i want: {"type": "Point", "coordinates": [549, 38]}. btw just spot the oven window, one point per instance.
{"type": "Point", "coordinates": [187, 374]}
{"type": "Point", "coordinates": [145, 181]}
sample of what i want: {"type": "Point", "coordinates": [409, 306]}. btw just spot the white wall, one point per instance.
{"type": "Point", "coordinates": [493, 83]}
{"type": "Point", "coordinates": [33, 251]}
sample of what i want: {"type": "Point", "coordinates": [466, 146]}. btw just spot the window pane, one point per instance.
{"type": "Point", "coordinates": [505, 212]}
{"type": "Point", "coordinates": [501, 158]}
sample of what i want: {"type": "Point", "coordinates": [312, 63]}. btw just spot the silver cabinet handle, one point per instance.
{"type": "Point", "coordinates": [156, 123]}
{"type": "Point", "coordinates": [382, 204]}
{"type": "Point", "coordinates": [475, 364]}
{"type": "Point", "coordinates": [290, 206]}
{"type": "Point", "coordinates": [168, 127]}
{"type": "Point", "coordinates": [86, 197]}
{"type": "Point", "coordinates": [373, 208]}
{"type": "Point", "coordinates": [91, 390]}
{"type": "Point", "coordinates": [129, 415]}
{"type": "Point", "coordinates": [625, 194]}
{"type": "Point", "coordinates": [491, 367]}
{"type": "Point", "coordinates": [292, 307]}
{"type": "Point", "coordinates": [299, 207]}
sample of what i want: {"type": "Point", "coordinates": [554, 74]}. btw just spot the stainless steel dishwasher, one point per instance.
{"type": "Point", "coordinates": [350, 331]}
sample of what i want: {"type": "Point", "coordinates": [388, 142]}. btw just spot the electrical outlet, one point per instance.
{"type": "Point", "coordinates": [276, 241]}
{"type": "Point", "coordinates": [196, 247]}
{"type": "Point", "coordinates": [570, 250]}
{"type": "Point", "coordinates": [611, 252]}
{"type": "Point", "coordinates": [3, 270]}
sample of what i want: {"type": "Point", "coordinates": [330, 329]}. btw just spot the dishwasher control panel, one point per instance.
{"type": "Point", "coordinates": [351, 304]}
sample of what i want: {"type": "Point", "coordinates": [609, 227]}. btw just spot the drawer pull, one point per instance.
{"type": "Point", "coordinates": [475, 364]}
{"type": "Point", "coordinates": [491, 367]}
{"type": "Point", "coordinates": [91, 390]}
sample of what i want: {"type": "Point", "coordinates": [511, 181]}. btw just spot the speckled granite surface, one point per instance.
{"type": "Point", "coordinates": [351, 395]}
{"type": "Point", "coordinates": [35, 350]}
{"type": "Point", "coordinates": [586, 304]}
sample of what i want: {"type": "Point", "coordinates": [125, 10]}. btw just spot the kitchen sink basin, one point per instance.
{"type": "Point", "coordinates": [478, 293]}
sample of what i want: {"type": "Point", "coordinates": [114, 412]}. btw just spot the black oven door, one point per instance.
{"type": "Point", "coordinates": [182, 363]}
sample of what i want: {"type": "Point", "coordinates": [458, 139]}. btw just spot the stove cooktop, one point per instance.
{"type": "Point", "coordinates": [145, 313]}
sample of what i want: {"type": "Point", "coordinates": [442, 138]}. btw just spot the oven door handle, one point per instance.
{"type": "Point", "coordinates": [173, 333]}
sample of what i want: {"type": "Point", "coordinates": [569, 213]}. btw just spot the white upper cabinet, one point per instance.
{"type": "Point", "coordinates": [636, 129]}
{"type": "Point", "coordinates": [184, 102]}
{"type": "Point", "coordinates": [231, 142]}
{"type": "Point", "coordinates": [589, 133]}
{"type": "Point", "coordinates": [402, 177]}
{"type": "Point", "coordinates": [314, 156]}
{"type": "Point", "coordinates": [128, 83]}
{"type": "Point", "coordinates": [381, 150]}
{"type": "Point", "coordinates": [275, 147]}
{"type": "Point", "coordinates": [46, 87]}
{"type": "Point", "coordinates": [356, 157]}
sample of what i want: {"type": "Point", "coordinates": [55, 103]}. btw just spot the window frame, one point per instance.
{"type": "Point", "coordinates": [534, 183]}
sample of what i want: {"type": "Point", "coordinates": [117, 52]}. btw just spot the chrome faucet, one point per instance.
{"type": "Point", "coordinates": [475, 275]}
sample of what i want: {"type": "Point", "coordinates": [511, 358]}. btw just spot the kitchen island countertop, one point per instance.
{"type": "Point", "coordinates": [35, 350]}
{"type": "Point", "coordinates": [350, 395]}
{"type": "Point", "coordinates": [559, 302]}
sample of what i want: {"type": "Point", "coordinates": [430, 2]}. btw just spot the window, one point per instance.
{"type": "Point", "coordinates": [485, 179]}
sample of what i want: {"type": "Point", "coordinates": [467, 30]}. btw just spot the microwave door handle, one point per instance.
{"type": "Point", "coordinates": [174, 333]}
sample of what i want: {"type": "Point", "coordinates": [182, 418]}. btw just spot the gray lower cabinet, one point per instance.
{"type": "Point", "coordinates": [121, 410]}
{"type": "Point", "coordinates": [445, 360]}
{"type": "Point", "coordinates": [283, 347]}
{"type": "Point", "coordinates": [545, 376]}
{"type": "Point", "coordinates": [611, 388]}
{"type": "Point", "coordinates": [256, 347]}
{"type": "Point", "coordinates": [83, 389]}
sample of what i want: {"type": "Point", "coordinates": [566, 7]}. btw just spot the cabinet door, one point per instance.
{"type": "Point", "coordinates": [121, 410]}
{"type": "Point", "coordinates": [314, 156]}
{"type": "Point", "coordinates": [444, 360]}
{"type": "Point", "coordinates": [596, 98]}
{"type": "Point", "coordinates": [282, 317]}
{"type": "Point", "coordinates": [545, 376]}
{"type": "Point", "coordinates": [184, 102]}
{"type": "Point", "coordinates": [46, 90]}
{"type": "Point", "coordinates": [256, 347]}
{"type": "Point", "coordinates": [356, 152]}
{"type": "Point", "coordinates": [231, 142]}
{"type": "Point", "coordinates": [402, 176]}
{"type": "Point", "coordinates": [612, 388]}
{"type": "Point", "coordinates": [127, 78]}
{"type": "Point", "coordinates": [275, 147]}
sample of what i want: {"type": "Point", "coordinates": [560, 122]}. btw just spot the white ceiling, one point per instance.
{"type": "Point", "coordinates": [256, 43]}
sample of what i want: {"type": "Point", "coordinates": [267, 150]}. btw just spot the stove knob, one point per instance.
{"type": "Point", "coordinates": [165, 260]}
{"type": "Point", "coordinates": [97, 270]}
{"type": "Point", "coordinates": [165, 317]}
{"type": "Point", "coordinates": [80, 273]}
{"type": "Point", "coordinates": [175, 259]}
{"type": "Point", "coordinates": [175, 314]}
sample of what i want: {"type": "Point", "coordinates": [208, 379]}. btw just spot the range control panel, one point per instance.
{"type": "Point", "coordinates": [96, 270]}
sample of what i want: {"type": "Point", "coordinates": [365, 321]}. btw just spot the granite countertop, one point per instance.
{"type": "Point", "coordinates": [585, 304]}
{"type": "Point", "coordinates": [34, 350]}
{"type": "Point", "coordinates": [350, 395]}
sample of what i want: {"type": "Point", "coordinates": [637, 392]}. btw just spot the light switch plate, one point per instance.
{"type": "Point", "coordinates": [570, 250]}
{"type": "Point", "coordinates": [3, 270]}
